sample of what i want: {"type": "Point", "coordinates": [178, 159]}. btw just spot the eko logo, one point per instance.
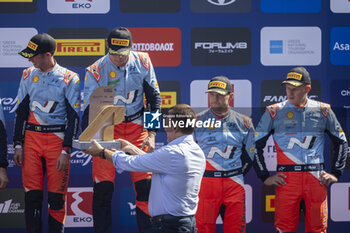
{"type": "Point", "coordinates": [78, 6]}
{"type": "Point", "coordinates": [78, 207]}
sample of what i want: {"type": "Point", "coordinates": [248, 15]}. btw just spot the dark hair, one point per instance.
{"type": "Point", "coordinates": [183, 113]}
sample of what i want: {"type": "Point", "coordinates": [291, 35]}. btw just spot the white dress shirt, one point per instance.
{"type": "Point", "coordinates": [177, 173]}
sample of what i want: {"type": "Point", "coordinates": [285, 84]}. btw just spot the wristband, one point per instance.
{"type": "Point", "coordinates": [102, 154]}
{"type": "Point", "coordinates": [67, 149]}
{"type": "Point", "coordinates": [18, 146]}
{"type": "Point", "coordinates": [152, 132]}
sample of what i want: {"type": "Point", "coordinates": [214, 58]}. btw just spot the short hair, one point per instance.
{"type": "Point", "coordinates": [184, 113]}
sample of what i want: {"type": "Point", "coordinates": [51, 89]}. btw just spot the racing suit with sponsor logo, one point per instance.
{"type": "Point", "coordinates": [46, 122]}
{"type": "Point", "coordinates": [131, 82]}
{"type": "Point", "coordinates": [3, 140]}
{"type": "Point", "coordinates": [229, 149]}
{"type": "Point", "coordinates": [298, 134]}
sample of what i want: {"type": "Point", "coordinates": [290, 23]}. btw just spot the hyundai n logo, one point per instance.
{"type": "Point", "coordinates": [221, 2]}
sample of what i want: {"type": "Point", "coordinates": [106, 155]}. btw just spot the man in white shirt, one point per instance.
{"type": "Point", "coordinates": [177, 170]}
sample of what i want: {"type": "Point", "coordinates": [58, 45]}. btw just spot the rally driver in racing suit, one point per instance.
{"type": "Point", "coordinates": [298, 126]}
{"type": "Point", "coordinates": [229, 152]}
{"type": "Point", "coordinates": [46, 123]}
{"type": "Point", "coordinates": [132, 75]}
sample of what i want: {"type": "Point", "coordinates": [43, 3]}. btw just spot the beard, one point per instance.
{"type": "Point", "coordinates": [221, 110]}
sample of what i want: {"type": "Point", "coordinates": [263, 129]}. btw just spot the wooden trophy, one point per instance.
{"type": "Point", "coordinates": [103, 116]}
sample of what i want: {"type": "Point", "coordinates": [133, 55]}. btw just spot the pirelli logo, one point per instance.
{"type": "Point", "coordinates": [270, 203]}
{"type": "Point", "coordinates": [295, 76]}
{"type": "Point", "coordinates": [217, 84]}
{"type": "Point", "coordinates": [80, 47]}
{"type": "Point", "coordinates": [120, 42]}
{"type": "Point", "coordinates": [168, 99]}
{"type": "Point", "coordinates": [32, 46]}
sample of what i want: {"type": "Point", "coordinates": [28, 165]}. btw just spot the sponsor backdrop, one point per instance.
{"type": "Point", "coordinates": [254, 43]}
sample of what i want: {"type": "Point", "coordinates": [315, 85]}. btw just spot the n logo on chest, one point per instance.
{"type": "Point", "coordinates": [307, 143]}
{"type": "Point", "coordinates": [49, 106]}
{"type": "Point", "coordinates": [227, 154]}
{"type": "Point", "coordinates": [130, 98]}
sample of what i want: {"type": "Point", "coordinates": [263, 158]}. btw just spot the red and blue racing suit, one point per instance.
{"type": "Point", "coordinates": [229, 152]}
{"type": "Point", "coordinates": [131, 82]}
{"type": "Point", "coordinates": [298, 134]}
{"type": "Point", "coordinates": [46, 122]}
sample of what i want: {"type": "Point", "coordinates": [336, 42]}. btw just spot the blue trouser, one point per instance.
{"type": "Point", "coordinates": [167, 223]}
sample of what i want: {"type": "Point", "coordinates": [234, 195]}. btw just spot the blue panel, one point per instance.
{"type": "Point", "coordinates": [340, 46]}
{"type": "Point", "coordinates": [290, 6]}
{"type": "Point", "coordinates": [276, 46]}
